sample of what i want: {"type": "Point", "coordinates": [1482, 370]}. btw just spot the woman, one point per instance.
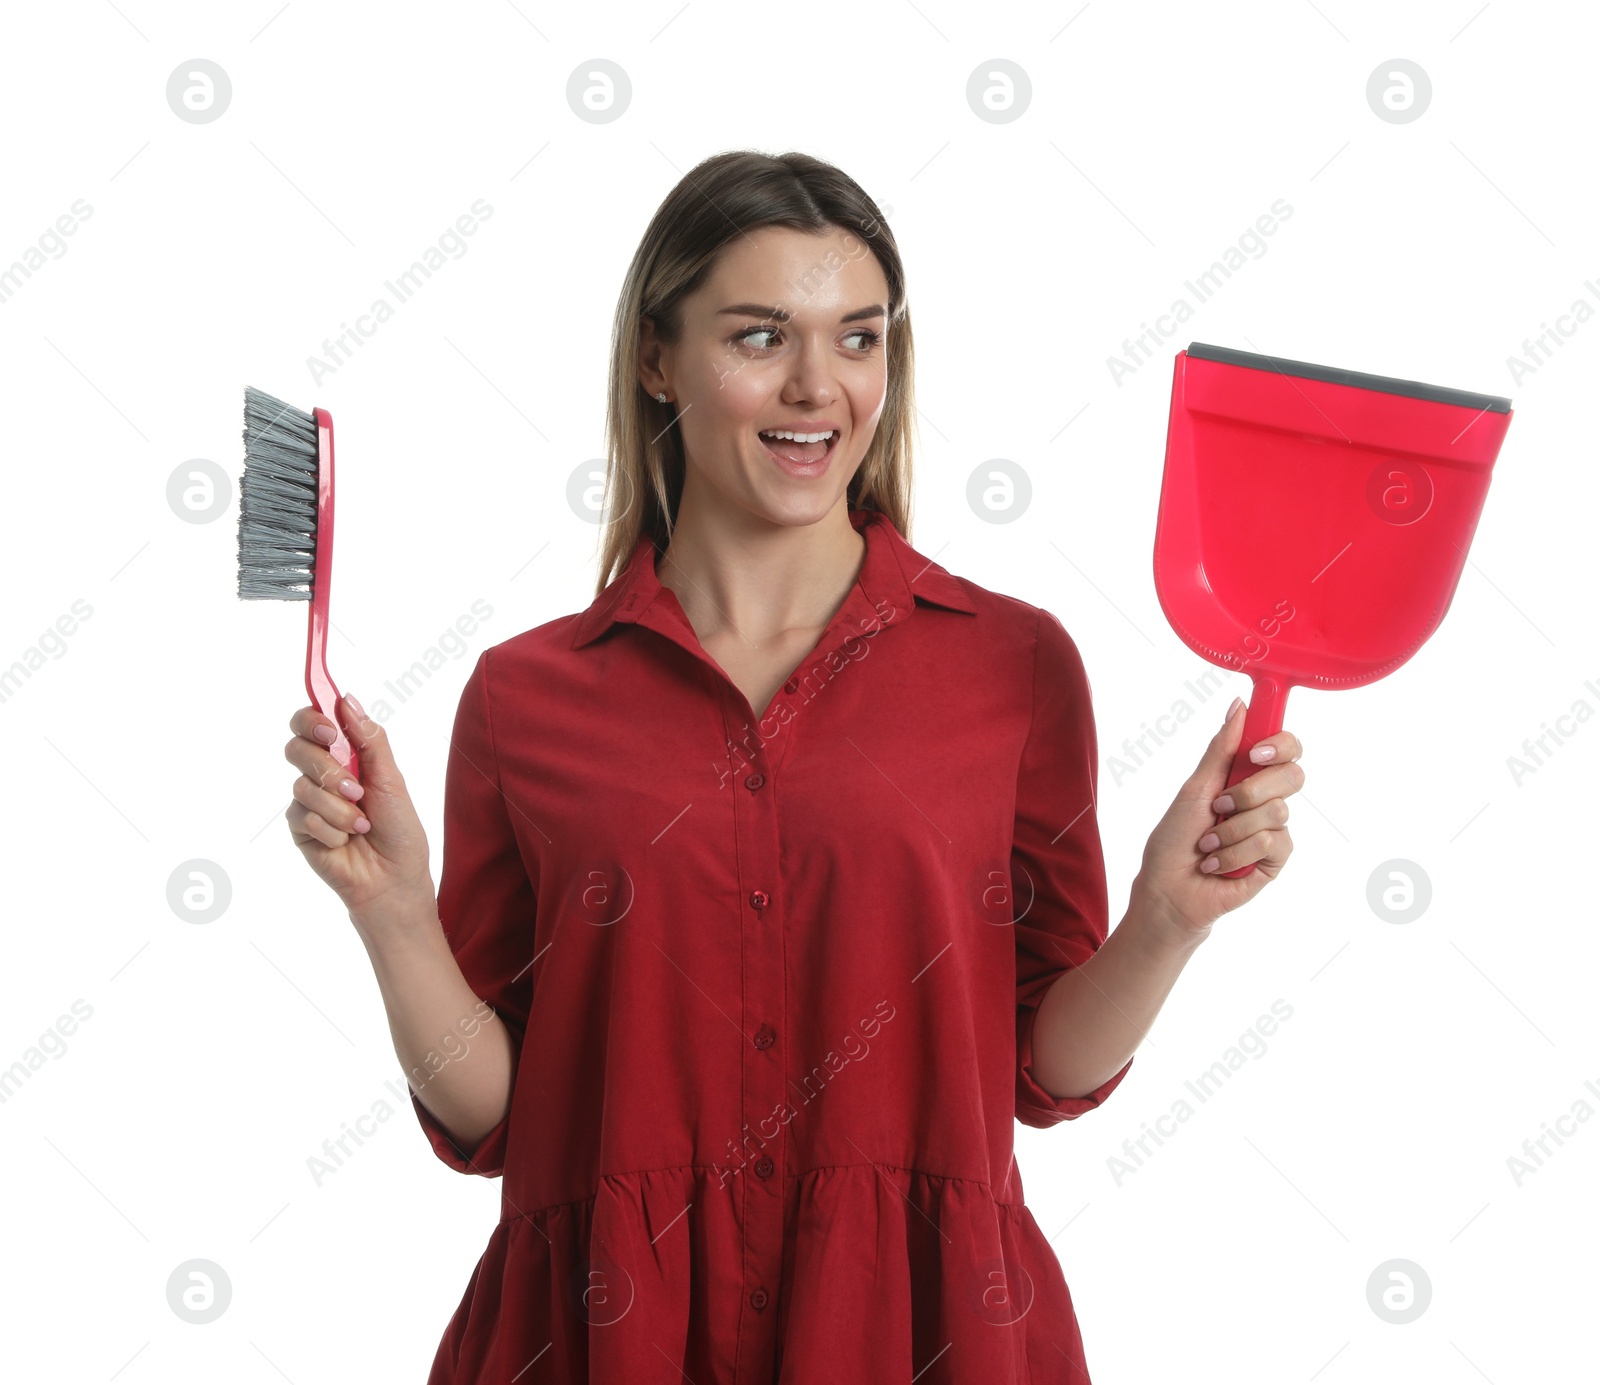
{"type": "Point", "coordinates": [772, 889]}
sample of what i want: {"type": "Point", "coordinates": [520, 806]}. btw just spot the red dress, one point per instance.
{"type": "Point", "coordinates": [772, 982]}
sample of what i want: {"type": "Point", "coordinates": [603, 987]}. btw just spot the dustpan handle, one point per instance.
{"type": "Point", "coordinates": [1264, 718]}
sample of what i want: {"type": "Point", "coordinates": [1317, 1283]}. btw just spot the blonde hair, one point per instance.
{"type": "Point", "coordinates": [719, 199]}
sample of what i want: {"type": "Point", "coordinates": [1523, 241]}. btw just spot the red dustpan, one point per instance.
{"type": "Point", "coordinates": [1314, 522]}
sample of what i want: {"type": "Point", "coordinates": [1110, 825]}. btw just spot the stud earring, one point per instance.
{"type": "Point", "coordinates": [661, 398]}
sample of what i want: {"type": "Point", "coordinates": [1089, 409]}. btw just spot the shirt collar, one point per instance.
{"type": "Point", "coordinates": [894, 577]}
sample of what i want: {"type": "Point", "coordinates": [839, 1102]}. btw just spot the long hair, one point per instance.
{"type": "Point", "coordinates": [719, 199]}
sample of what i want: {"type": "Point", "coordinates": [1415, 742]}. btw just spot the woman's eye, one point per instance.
{"type": "Point", "coordinates": [869, 337]}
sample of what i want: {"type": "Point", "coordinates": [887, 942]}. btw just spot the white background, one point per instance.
{"type": "Point", "coordinates": [1377, 1124]}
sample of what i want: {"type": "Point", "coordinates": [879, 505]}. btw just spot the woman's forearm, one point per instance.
{"type": "Point", "coordinates": [455, 1052]}
{"type": "Point", "coordinates": [1094, 1016]}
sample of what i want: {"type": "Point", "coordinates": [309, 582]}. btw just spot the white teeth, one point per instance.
{"type": "Point", "coordinates": [796, 437]}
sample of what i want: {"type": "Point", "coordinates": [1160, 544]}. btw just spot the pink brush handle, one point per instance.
{"type": "Point", "coordinates": [319, 682]}
{"type": "Point", "coordinates": [1264, 718]}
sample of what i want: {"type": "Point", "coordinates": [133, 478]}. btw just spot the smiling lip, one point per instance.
{"type": "Point", "coordinates": [809, 469]}
{"type": "Point", "coordinates": [822, 425]}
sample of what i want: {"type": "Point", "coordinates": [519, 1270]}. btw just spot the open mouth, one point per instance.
{"type": "Point", "coordinates": [800, 451]}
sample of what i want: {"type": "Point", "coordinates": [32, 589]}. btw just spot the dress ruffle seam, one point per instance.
{"type": "Point", "coordinates": [806, 1173]}
{"type": "Point", "coordinates": [590, 1197]}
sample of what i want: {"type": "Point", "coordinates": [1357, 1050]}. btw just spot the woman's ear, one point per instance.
{"type": "Point", "coordinates": [650, 375]}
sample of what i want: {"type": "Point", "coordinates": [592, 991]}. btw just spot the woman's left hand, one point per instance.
{"type": "Point", "coordinates": [1181, 876]}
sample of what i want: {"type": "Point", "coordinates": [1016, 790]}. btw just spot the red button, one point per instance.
{"type": "Point", "coordinates": [765, 1038]}
{"type": "Point", "coordinates": [763, 1168]}
{"type": "Point", "coordinates": [793, 685]}
{"type": "Point", "coordinates": [758, 899]}
{"type": "Point", "coordinates": [755, 781]}
{"type": "Point", "coordinates": [758, 1299]}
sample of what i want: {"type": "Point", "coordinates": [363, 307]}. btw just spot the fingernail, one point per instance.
{"type": "Point", "coordinates": [1223, 804]}
{"type": "Point", "coordinates": [355, 706]}
{"type": "Point", "coordinates": [1238, 702]}
{"type": "Point", "coordinates": [1262, 753]}
{"type": "Point", "coordinates": [350, 789]}
{"type": "Point", "coordinates": [326, 734]}
{"type": "Point", "coordinates": [362, 825]}
{"type": "Point", "coordinates": [1210, 842]}
{"type": "Point", "coordinates": [1209, 864]}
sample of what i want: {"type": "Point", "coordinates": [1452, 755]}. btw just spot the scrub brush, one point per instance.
{"type": "Point", "coordinates": [286, 532]}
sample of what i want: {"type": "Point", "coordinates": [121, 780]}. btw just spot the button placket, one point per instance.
{"type": "Point", "coordinates": [759, 1189]}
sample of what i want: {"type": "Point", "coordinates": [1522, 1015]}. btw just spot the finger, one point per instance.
{"type": "Point", "coordinates": [1277, 749]}
{"type": "Point", "coordinates": [306, 826]}
{"type": "Point", "coordinates": [1218, 757]}
{"type": "Point", "coordinates": [310, 723]}
{"type": "Point", "coordinates": [1275, 781]}
{"type": "Point", "coordinates": [1258, 846]}
{"type": "Point", "coordinates": [321, 768]}
{"type": "Point", "coordinates": [371, 741]}
{"type": "Point", "coordinates": [335, 811]}
{"type": "Point", "coordinates": [1268, 848]}
{"type": "Point", "coordinates": [1273, 813]}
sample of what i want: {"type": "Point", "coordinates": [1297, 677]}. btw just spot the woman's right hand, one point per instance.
{"type": "Point", "coordinates": [369, 866]}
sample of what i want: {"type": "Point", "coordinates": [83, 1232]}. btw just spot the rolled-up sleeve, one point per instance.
{"type": "Point", "coordinates": [486, 903]}
{"type": "Point", "coordinates": [1057, 866]}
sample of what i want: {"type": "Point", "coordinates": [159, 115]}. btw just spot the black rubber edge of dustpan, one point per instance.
{"type": "Point", "coordinates": [1412, 389]}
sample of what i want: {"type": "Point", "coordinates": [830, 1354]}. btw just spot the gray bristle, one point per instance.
{"type": "Point", "coordinates": [277, 500]}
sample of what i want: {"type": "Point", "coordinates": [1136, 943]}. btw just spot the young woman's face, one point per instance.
{"type": "Point", "coordinates": [788, 332]}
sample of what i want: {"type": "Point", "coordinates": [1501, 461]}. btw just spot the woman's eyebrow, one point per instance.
{"type": "Point", "coordinates": [783, 315]}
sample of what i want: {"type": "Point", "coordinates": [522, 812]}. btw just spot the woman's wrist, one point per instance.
{"type": "Point", "coordinates": [1159, 925]}
{"type": "Point", "coordinates": [400, 923]}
